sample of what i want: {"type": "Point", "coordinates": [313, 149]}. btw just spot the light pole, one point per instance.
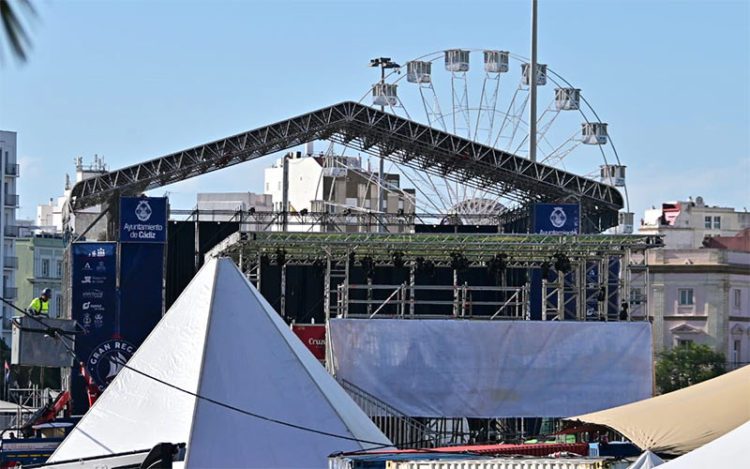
{"type": "Point", "coordinates": [532, 85]}
{"type": "Point", "coordinates": [383, 63]}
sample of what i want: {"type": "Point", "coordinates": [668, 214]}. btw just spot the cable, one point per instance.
{"type": "Point", "coordinates": [252, 414]}
{"type": "Point", "coordinates": [57, 333]}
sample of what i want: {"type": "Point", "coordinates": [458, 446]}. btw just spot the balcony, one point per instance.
{"type": "Point", "coordinates": [10, 293]}
{"type": "Point", "coordinates": [11, 200]}
{"type": "Point", "coordinates": [12, 170]}
{"type": "Point", "coordinates": [10, 231]}
{"type": "Point", "coordinates": [10, 262]}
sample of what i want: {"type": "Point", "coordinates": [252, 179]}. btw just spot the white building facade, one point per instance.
{"type": "Point", "coordinates": [49, 217]}
{"type": "Point", "coordinates": [8, 229]}
{"type": "Point", "coordinates": [695, 293]}
{"type": "Point", "coordinates": [335, 185]}
{"type": "Point", "coordinates": [685, 224]}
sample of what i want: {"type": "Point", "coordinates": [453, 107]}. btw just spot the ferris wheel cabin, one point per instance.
{"type": "Point", "coordinates": [495, 61]}
{"type": "Point", "coordinates": [541, 74]}
{"type": "Point", "coordinates": [612, 174]}
{"type": "Point", "coordinates": [567, 99]}
{"type": "Point", "coordinates": [384, 94]}
{"type": "Point", "coordinates": [594, 133]}
{"type": "Point", "coordinates": [457, 60]}
{"type": "Point", "coordinates": [419, 71]}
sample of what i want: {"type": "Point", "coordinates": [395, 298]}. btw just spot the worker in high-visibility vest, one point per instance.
{"type": "Point", "coordinates": [40, 306]}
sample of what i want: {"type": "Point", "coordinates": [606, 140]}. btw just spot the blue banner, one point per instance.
{"type": "Point", "coordinates": [557, 218]}
{"type": "Point", "coordinates": [141, 293]}
{"type": "Point", "coordinates": [143, 219]}
{"type": "Point", "coordinates": [94, 307]}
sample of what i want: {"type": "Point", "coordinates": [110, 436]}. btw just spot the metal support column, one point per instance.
{"type": "Point", "coordinates": [456, 298]}
{"type": "Point", "coordinates": [197, 241]}
{"type": "Point", "coordinates": [580, 287]}
{"type": "Point", "coordinates": [604, 279]}
{"type": "Point", "coordinates": [285, 195]}
{"type": "Point", "coordinates": [625, 273]}
{"type": "Point", "coordinates": [532, 84]}
{"type": "Point", "coordinates": [412, 282]}
{"type": "Point", "coordinates": [544, 299]}
{"type": "Point", "coordinates": [327, 290]}
{"type": "Point", "coordinates": [282, 299]}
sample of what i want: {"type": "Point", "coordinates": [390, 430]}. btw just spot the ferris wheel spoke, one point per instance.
{"type": "Point", "coordinates": [427, 197]}
{"type": "Point", "coordinates": [517, 120]}
{"type": "Point", "coordinates": [432, 109]}
{"type": "Point", "coordinates": [564, 149]}
{"type": "Point", "coordinates": [506, 117]}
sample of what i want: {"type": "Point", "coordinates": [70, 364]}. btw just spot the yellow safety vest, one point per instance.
{"type": "Point", "coordinates": [38, 306]}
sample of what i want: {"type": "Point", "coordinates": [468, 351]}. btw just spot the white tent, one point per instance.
{"type": "Point", "coordinates": [647, 460]}
{"type": "Point", "coordinates": [731, 450]}
{"type": "Point", "coordinates": [223, 341]}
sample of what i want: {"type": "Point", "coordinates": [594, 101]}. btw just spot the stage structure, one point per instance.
{"type": "Point", "coordinates": [378, 133]}
{"type": "Point", "coordinates": [581, 275]}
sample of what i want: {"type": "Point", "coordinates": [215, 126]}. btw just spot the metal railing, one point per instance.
{"type": "Point", "coordinates": [402, 301]}
{"type": "Point", "coordinates": [12, 200]}
{"type": "Point", "coordinates": [12, 169]}
{"type": "Point", "coordinates": [10, 231]}
{"type": "Point", "coordinates": [403, 431]}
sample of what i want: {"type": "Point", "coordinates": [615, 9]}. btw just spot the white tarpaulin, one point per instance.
{"type": "Point", "coordinates": [731, 450]}
{"type": "Point", "coordinates": [486, 369]}
{"type": "Point", "coordinates": [223, 341]}
{"type": "Point", "coordinates": [647, 460]}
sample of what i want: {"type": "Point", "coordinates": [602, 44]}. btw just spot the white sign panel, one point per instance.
{"type": "Point", "coordinates": [486, 369]}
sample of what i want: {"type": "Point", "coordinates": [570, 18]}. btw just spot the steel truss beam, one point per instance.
{"type": "Point", "coordinates": [375, 132]}
{"type": "Point", "coordinates": [523, 250]}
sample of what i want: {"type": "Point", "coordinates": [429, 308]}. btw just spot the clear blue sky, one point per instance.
{"type": "Point", "coordinates": [133, 80]}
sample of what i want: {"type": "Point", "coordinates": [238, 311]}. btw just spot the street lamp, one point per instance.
{"type": "Point", "coordinates": [384, 63]}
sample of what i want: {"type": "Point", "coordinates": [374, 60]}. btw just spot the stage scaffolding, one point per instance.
{"type": "Point", "coordinates": [575, 272]}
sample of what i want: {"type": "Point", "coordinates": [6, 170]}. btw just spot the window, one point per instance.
{"type": "Point", "coordinates": [708, 223]}
{"type": "Point", "coordinates": [717, 223]}
{"type": "Point", "coordinates": [684, 342]}
{"type": "Point", "coordinates": [45, 268]}
{"type": "Point", "coordinates": [58, 305]}
{"type": "Point", "coordinates": [686, 296]}
{"type": "Point", "coordinates": [59, 270]}
{"type": "Point", "coordinates": [737, 298]}
{"type": "Point", "coordinates": [737, 351]}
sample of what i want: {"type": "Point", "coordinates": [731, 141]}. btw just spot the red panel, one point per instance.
{"type": "Point", "coordinates": [539, 450]}
{"type": "Point", "coordinates": [314, 338]}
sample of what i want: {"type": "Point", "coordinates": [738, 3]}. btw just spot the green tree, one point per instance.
{"type": "Point", "coordinates": [12, 13]}
{"type": "Point", "coordinates": [686, 365]}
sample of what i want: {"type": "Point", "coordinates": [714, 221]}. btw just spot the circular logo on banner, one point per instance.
{"type": "Point", "coordinates": [558, 217]}
{"type": "Point", "coordinates": [108, 359]}
{"type": "Point", "coordinates": [143, 210]}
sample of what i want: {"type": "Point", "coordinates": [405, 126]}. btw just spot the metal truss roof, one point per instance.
{"type": "Point", "coordinates": [521, 249]}
{"type": "Point", "coordinates": [374, 132]}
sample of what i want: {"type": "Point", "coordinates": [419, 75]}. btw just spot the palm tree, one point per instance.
{"type": "Point", "coordinates": [11, 13]}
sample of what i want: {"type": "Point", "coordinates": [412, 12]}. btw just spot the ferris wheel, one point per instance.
{"type": "Point", "coordinates": [483, 95]}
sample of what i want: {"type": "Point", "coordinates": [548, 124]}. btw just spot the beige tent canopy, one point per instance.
{"type": "Point", "coordinates": [682, 420]}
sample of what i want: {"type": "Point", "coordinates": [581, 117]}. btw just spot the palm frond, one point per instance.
{"type": "Point", "coordinates": [11, 14]}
